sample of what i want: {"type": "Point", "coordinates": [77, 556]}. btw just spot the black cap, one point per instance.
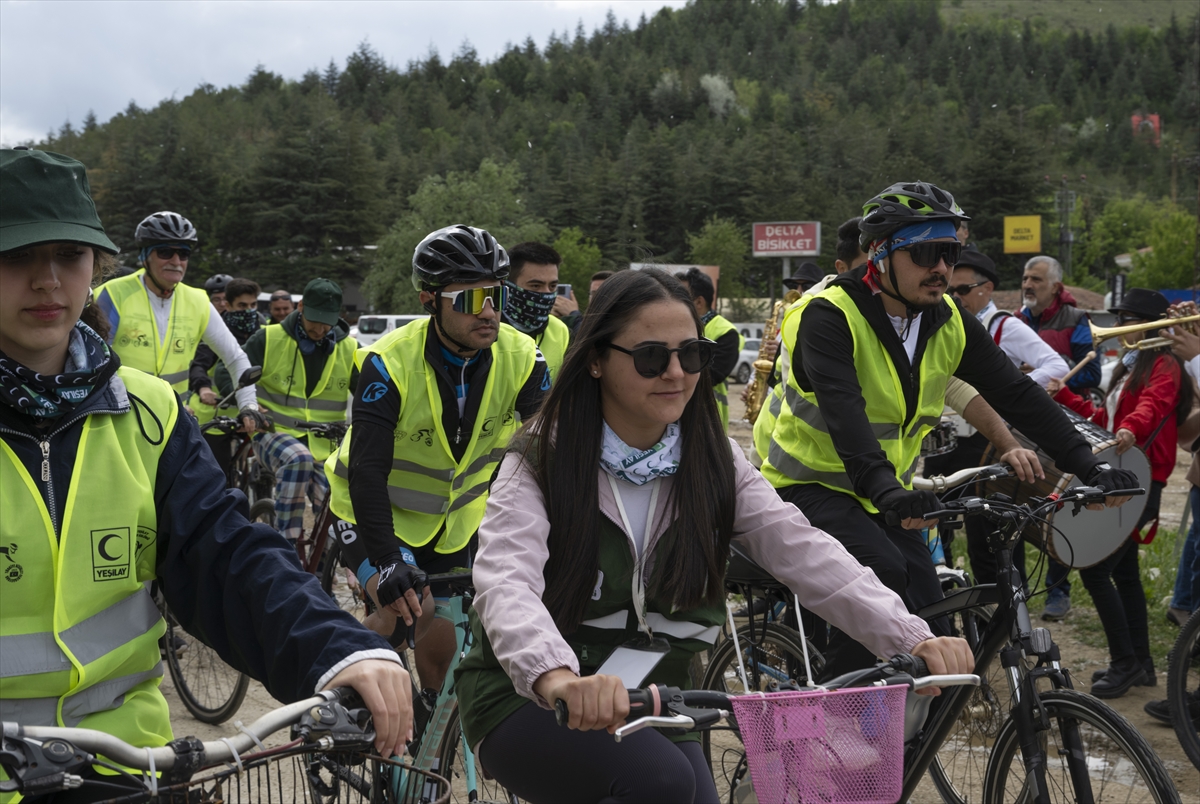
{"type": "Point", "coordinates": [980, 263]}
{"type": "Point", "coordinates": [804, 277]}
{"type": "Point", "coordinates": [1148, 305]}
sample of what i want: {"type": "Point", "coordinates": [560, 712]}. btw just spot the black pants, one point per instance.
{"type": "Point", "coordinates": [222, 446]}
{"type": "Point", "coordinates": [900, 559]}
{"type": "Point", "coordinates": [540, 761]}
{"type": "Point", "coordinates": [1115, 585]}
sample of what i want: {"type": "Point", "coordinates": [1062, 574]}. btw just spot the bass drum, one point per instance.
{"type": "Point", "coordinates": [1089, 537]}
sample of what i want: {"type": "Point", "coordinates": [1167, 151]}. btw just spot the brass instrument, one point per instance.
{"type": "Point", "coordinates": [757, 392]}
{"type": "Point", "coordinates": [1101, 334]}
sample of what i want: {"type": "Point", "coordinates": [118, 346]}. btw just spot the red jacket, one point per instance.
{"type": "Point", "coordinates": [1141, 410]}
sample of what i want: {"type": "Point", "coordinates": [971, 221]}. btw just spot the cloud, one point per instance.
{"type": "Point", "coordinates": [121, 50]}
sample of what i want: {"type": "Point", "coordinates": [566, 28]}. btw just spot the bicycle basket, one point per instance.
{"type": "Point", "coordinates": [840, 747]}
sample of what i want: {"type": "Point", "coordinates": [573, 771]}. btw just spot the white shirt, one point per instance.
{"type": "Point", "coordinates": [1023, 345]}
{"type": "Point", "coordinates": [909, 338]}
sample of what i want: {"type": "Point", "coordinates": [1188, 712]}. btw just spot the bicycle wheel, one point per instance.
{"type": "Point", "coordinates": [1183, 687]}
{"type": "Point", "coordinates": [450, 765]}
{"type": "Point", "coordinates": [958, 769]}
{"type": "Point", "coordinates": [1116, 759]}
{"type": "Point", "coordinates": [342, 585]}
{"type": "Point", "coordinates": [210, 689]}
{"type": "Point", "coordinates": [263, 511]}
{"type": "Point", "coordinates": [774, 655]}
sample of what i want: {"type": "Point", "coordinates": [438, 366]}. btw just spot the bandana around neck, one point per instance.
{"type": "Point", "coordinates": [528, 310]}
{"type": "Point", "coordinates": [242, 323]}
{"type": "Point", "coordinates": [47, 396]}
{"type": "Point", "coordinates": [640, 466]}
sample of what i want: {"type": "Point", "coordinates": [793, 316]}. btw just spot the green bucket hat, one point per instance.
{"type": "Point", "coordinates": [322, 301]}
{"type": "Point", "coordinates": [45, 198]}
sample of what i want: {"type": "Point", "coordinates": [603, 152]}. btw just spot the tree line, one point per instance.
{"type": "Point", "coordinates": [631, 142]}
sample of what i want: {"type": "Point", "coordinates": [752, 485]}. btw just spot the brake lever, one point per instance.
{"type": "Point", "coordinates": [657, 721]}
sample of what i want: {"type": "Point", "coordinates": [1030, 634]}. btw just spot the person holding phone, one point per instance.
{"type": "Point", "coordinates": [534, 297]}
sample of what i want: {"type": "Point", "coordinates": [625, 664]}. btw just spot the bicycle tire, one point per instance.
{"type": "Point", "coordinates": [961, 761]}
{"type": "Point", "coordinates": [1137, 776]}
{"type": "Point", "coordinates": [1183, 686]}
{"type": "Point", "coordinates": [263, 511]}
{"type": "Point", "coordinates": [777, 646]}
{"type": "Point", "coordinates": [210, 689]}
{"type": "Point", "coordinates": [450, 765]}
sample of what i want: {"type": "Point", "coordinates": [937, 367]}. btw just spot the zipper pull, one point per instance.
{"type": "Point", "coordinates": [457, 435]}
{"type": "Point", "coordinates": [45, 445]}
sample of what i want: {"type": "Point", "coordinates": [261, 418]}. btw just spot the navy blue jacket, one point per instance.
{"type": "Point", "coordinates": [238, 587]}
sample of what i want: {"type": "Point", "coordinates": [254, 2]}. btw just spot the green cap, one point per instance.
{"type": "Point", "coordinates": [45, 198]}
{"type": "Point", "coordinates": [322, 301]}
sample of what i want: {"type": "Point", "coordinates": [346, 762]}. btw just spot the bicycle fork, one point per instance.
{"type": "Point", "coordinates": [1031, 721]}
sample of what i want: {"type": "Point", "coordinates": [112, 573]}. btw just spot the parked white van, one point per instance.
{"type": "Point", "coordinates": [371, 328]}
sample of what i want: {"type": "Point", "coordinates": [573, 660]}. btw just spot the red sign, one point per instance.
{"type": "Point", "coordinates": [787, 239]}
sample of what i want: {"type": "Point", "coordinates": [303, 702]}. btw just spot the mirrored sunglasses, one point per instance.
{"type": "Point", "coordinates": [963, 290]}
{"type": "Point", "coordinates": [471, 300]}
{"type": "Point", "coordinates": [653, 360]}
{"type": "Point", "coordinates": [927, 255]}
{"type": "Point", "coordinates": [167, 252]}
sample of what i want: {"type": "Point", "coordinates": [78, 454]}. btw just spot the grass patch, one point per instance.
{"type": "Point", "coordinates": [1158, 565]}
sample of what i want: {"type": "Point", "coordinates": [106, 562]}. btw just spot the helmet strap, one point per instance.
{"type": "Point", "coordinates": [462, 348]}
{"type": "Point", "coordinates": [163, 292]}
{"type": "Point", "coordinates": [910, 310]}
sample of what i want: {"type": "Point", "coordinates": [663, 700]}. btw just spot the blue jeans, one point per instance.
{"type": "Point", "coordinates": [1056, 573]}
{"type": "Point", "coordinates": [1187, 581]}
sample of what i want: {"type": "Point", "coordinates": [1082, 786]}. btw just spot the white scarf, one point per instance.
{"type": "Point", "coordinates": [639, 466]}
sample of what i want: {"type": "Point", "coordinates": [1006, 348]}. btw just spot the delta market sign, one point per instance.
{"type": "Point", "coordinates": [787, 239]}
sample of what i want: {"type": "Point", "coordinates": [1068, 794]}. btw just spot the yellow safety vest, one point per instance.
{"type": "Point", "coordinates": [429, 490]}
{"type": "Point", "coordinates": [78, 629]}
{"type": "Point", "coordinates": [281, 388]}
{"type": "Point", "coordinates": [137, 338]}
{"type": "Point", "coordinates": [205, 413]}
{"type": "Point", "coordinates": [716, 327]}
{"type": "Point", "coordinates": [764, 425]}
{"type": "Point", "coordinates": [553, 342]}
{"type": "Point", "coordinates": [801, 449]}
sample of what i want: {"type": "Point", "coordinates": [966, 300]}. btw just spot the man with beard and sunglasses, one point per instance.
{"type": "Point", "coordinates": [438, 402]}
{"type": "Point", "coordinates": [871, 357]}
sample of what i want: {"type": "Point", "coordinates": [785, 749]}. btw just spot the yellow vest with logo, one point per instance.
{"type": "Point", "coordinates": [137, 338]}
{"type": "Point", "coordinates": [716, 327]}
{"type": "Point", "coordinates": [429, 490]}
{"type": "Point", "coordinates": [79, 630]}
{"type": "Point", "coordinates": [801, 449]}
{"type": "Point", "coordinates": [553, 342]}
{"type": "Point", "coordinates": [281, 388]}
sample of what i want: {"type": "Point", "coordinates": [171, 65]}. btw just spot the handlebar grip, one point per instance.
{"type": "Point", "coordinates": [1125, 493]}
{"type": "Point", "coordinates": [912, 665]}
{"type": "Point", "coordinates": [641, 704]}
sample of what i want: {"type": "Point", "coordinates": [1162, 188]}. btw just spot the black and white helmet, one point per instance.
{"type": "Point", "coordinates": [457, 254]}
{"type": "Point", "coordinates": [216, 283]}
{"type": "Point", "coordinates": [165, 227]}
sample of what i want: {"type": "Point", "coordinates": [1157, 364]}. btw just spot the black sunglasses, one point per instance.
{"type": "Point", "coordinates": [167, 252]}
{"type": "Point", "coordinates": [927, 255]}
{"type": "Point", "coordinates": [654, 359]}
{"type": "Point", "coordinates": [963, 290]}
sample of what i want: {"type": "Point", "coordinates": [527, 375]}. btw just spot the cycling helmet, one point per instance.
{"type": "Point", "coordinates": [216, 283]}
{"type": "Point", "coordinates": [165, 227]}
{"type": "Point", "coordinates": [457, 254]}
{"type": "Point", "coordinates": [904, 204]}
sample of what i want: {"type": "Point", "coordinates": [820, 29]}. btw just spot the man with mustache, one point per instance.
{"type": "Point", "coordinates": [871, 356]}
{"type": "Point", "coordinates": [436, 405]}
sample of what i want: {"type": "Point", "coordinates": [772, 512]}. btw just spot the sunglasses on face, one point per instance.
{"type": "Point", "coordinates": [653, 360]}
{"type": "Point", "coordinates": [167, 252]}
{"type": "Point", "coordinates": [927, 255]}
{"type": "Point", "coordinates": [471, 300]}
{"type": "Point", "coordinates": [963, 290]}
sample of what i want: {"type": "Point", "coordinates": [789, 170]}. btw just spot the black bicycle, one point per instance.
{"type": "Point", "coordinates": [1183, 687]}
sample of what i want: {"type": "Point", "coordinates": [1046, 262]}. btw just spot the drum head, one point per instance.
{"type": "Point", "coordinates": [1089, 537]}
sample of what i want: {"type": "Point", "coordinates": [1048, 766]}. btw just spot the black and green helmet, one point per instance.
{"type": "Point", "coordinates": [904, 204]}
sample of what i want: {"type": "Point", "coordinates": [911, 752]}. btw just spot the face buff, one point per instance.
{"type": "Point", "coordinates": [242, 323]}
{"type": "Point", "coordinates": [638, 466]}
{"type": "Point", "coordinates": [48, 396]}
{"type": "Point", "coordinates": [528, 310]}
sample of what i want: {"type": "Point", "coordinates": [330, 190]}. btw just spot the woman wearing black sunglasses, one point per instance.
{"type": "Point", "coordinates": [602, 559]}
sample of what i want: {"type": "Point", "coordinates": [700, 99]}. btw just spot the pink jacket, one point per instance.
{"type": "Point", "coordinates": [513, 552]}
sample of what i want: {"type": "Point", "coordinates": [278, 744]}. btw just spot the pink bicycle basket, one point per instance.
{"type": "Point", "coordinates": [839, 747]}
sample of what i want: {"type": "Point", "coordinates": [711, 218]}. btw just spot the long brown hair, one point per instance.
{"type": "Point", "coordinates": [562, 445]}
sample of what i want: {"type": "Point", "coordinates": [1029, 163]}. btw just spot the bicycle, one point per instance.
{"type": "Point", "coordinates": [1183, 687]}
{"type": "Point", "coordinates": [328, 759]}
{"type": "Point", "coordinates": [246, 472]}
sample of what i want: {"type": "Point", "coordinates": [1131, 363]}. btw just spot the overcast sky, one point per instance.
{"type": "Point", "coordinates": [60, 59]}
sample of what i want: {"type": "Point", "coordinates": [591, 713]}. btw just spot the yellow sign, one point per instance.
{"type": "Point", "coordinates": [1022, 234]}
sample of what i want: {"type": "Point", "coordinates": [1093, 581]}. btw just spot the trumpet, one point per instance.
{"type": "Point", "coordinates": [1101, 334]}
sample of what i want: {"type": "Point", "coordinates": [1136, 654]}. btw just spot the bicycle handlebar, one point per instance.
{"type": "Point", "coordinates": [940, 483]}
{"type": "Point", "coordinates": [1001, 508]}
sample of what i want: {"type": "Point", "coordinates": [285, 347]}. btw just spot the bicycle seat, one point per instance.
{"type": "Point", "coordinates": [742, 571]}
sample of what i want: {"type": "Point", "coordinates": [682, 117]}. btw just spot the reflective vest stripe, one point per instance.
{"type": "Point", "coordinates": [483, 460]}
{"type": "Point", "coordinates": [471, 495]}
{"type": "Point", "coordinates": [313, 404]}
{"type": "Point", "coordinates": [722, 398]}
{"type": "Point", "coordinates": [104, 696]}
{"type": "Point", "coordinates": [174, 377]}
{"type": "Point", "coordinates": [27, 654]}
{"type": "Point", "coordinates": [782, 460]}
{"type": "Point", "coordinates": [420, 501]}
{"type": "Point", "coordinates": [810, 414]}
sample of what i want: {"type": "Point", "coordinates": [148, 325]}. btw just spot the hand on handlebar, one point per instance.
{"type": "Point", "coordinates": [208, 397]}
{"type": "Point", "coordinates": [944, 656]}
{"type": "Point", "coordinates": [252, 420]}
{"type": "Point", "coordinates": [400, 587]}
{"type": "Point", "coordinates": [593, 702]}
{"type": "Point", "coordinates": [1024, 463]}
{"type": "Point", "coordinates": [386, 691]}
{"type": "Point", "coordinates": [1111, 479]}
{"type": "Point", "coordinates": [906, 508]}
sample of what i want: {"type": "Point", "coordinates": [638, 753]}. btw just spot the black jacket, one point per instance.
{"type": "Point", "coordinates": [824, 364]}
{"type": "Point", "coordinates": [234, 585]}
